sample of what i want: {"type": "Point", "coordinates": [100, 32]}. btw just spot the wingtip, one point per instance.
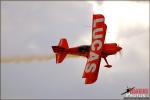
{"type": "Point", "coordinates": [90, 81]}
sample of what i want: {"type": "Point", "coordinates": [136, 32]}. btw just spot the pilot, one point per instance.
{"type": "Point", "coordinates": [84, 48]}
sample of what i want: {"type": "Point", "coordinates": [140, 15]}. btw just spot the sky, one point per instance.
{"type": "Point", "coordinates": [32, 27]}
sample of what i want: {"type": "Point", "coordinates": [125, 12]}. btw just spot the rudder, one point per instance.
{"type": "Point", "coordinates": [63, 43]}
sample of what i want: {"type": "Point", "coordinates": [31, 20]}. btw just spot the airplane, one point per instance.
{"type": "Point", "coordinates": [127, 90]}
{"type": "Point", "coordinates": [94, 52]}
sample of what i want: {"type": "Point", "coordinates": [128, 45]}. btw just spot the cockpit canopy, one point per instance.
{"type": "Point", "coordinates": [84, 48]}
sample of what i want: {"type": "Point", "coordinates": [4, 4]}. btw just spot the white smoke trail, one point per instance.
{"type": "Point", "coordinates": [30, 58]}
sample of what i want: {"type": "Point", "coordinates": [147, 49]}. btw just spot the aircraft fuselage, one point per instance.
{"type": "Point", "coordinates": [108, 49]}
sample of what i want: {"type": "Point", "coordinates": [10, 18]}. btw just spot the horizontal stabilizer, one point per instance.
{"type": "Point", "coordinates": [58, 49]}
{"type": "Point", "coordinates": [60, 57]}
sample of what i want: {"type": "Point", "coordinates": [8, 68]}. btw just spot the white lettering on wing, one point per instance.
{"type": "Point", "coordinates": [95, 46]}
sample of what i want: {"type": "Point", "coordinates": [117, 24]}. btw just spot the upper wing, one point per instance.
{"type": "Point", "coordinates": [94, 57]}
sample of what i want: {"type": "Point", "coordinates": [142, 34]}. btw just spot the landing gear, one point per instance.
{"type": "Point", "coordinates": [108, 66]}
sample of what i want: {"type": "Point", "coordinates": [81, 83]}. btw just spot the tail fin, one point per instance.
{"type": "Point", "coordinates": [63, 43]}
{"type": "Point", "coordinates": [60, 50]}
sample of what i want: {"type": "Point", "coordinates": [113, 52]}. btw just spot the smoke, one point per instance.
{"type": "Point", "coordinates": [30, 58]}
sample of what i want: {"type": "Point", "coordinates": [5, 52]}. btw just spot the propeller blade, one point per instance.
{"type": "Point", "coordinates": [120, 53]}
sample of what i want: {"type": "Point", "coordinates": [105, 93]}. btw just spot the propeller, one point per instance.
{"type": "Point", "coordinates": [120, 52]}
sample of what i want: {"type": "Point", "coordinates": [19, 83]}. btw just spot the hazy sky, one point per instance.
{"type": "Point", "coordinates": [32, 27]}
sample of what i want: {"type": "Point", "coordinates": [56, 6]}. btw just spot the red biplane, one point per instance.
{"type": "Point", "coordinates": [94, 52]}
